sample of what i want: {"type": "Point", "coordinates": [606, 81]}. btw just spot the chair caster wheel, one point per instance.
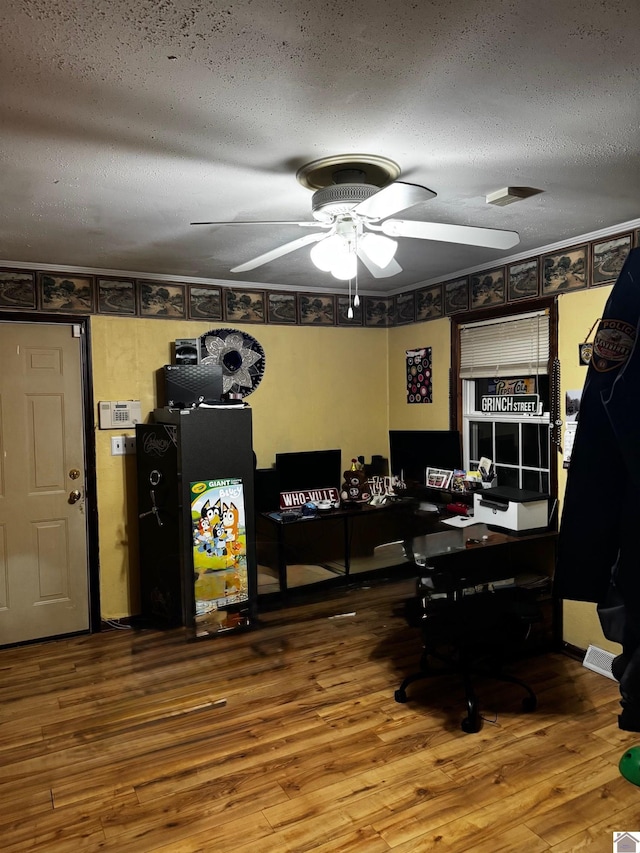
{"type": "Point", "coordinates": [529, 703]}
{"type": "Point", "coordinates": [400, 696]}
{"type": "Point", "coordinates": [471, 725]}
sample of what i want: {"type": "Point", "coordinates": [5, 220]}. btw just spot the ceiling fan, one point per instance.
{"type": "Point", "coordinates": [354, 204]}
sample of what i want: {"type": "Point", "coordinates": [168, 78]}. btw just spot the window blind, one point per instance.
{"type": "Point", "coordinates": [508, 346]}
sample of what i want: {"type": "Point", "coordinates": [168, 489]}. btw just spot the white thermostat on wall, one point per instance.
{"type": "Point", "coordinates": [119, 415]}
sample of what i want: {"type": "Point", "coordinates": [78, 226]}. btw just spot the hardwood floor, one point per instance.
{"type": "Point", "coordinates": [287, 738]}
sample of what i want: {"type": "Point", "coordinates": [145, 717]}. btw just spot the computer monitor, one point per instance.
{"type": "Point", "coordinates": [309, 469]}
{"type": "Point", "coordinates": [411, 452]}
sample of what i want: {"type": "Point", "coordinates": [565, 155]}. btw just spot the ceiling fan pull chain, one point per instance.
{"type": "Point", "coordinates": [350, 309]}
{"type": "Point", "coordinates": [356, 298]}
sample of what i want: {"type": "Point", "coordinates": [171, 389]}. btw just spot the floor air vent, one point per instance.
{"type": "Point", "coordinates": [599, 661]}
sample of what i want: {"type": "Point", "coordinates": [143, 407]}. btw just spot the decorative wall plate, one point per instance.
{"type": "Point", "coordinates": [240, 355]}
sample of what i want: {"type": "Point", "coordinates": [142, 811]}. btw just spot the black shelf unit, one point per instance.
{"type": "Point", "coordinates": [178, 448]}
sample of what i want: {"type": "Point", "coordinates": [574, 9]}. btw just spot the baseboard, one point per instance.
{"type": "Point", "coordinates": [124, 622]}
{"type": "Point", "coordinates": [574, 652]}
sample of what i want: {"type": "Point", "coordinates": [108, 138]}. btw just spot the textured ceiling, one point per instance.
{"type": "Point", "coordinates": [123, 121]}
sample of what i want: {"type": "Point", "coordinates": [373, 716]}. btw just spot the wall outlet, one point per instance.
{"type": "Point", "coordinates": [123, 445]}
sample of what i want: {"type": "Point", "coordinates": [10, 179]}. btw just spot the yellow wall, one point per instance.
{"type": "Point", "coordinates": [437, 335]}
{"type": "Point", "coordinates": [322, 388]}
{"type": "Point", "coordinates": [576, 314]}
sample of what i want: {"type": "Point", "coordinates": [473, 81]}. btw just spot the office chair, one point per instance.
{"type": "Point", "coordinates": [470, 633]}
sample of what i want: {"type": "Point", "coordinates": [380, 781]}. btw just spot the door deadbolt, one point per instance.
{"type": "Point", "coordinates": [74, 474]}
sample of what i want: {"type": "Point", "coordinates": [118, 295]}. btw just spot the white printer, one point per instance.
{"type": "Point", "coordinates": [516, 511]}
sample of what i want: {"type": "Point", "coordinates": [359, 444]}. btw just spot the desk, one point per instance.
{"type": "Point", "coordinates": [376, 524]}
{"type": "Point", "coordinates": [476, 555]}
{"type": "Point", "coordinates": [445, 540]}
{"type": "Point", "coordinates": [396, 532]}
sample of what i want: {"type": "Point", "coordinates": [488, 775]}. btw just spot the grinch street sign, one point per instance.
{"type": "Point", "coordinates": [512, 404]}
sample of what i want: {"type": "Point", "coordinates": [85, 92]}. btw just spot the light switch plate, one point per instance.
{"type": "Point", "coordinates": [123, 445]}
{"type": "Point", "coordinates": [117, 445]}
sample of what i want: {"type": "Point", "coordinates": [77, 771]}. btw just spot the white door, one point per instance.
{"type": "Point", "coordinates": [44, 589]}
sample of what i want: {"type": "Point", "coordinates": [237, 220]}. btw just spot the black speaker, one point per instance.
{"type": "Point", "coordinates": [186, 351]}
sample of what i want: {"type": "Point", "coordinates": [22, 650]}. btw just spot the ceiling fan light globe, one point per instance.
{"type": "Point", "coordinates": [380, 249]}
{"type": "Point", "coordinates": [324, 253]}
{"type": "Point", "coordinates": [345, 267]}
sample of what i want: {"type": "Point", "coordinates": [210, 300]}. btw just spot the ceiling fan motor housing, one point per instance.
{"type": "Point", "coordinates": [339, 199]}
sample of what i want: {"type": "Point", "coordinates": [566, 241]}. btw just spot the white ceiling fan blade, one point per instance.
{"type": "Point", "coordinates": [308, 224]}
{"type": "Point", "coordinates": [280, 251]}
{"type": "Point", "coordinates": [392, 268]}
{"type": "Point", "coordinates": [491, 238]}
{"type": "Point", "coordinates": [391, 199]}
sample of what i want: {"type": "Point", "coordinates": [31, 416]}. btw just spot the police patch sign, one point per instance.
{"type": "Point", "coordinates": [612, 345]}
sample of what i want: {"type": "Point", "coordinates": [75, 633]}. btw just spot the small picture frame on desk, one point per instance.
{"type": "Point", "coordinates": [459, 482]}
{"type": "Point", "coordinates": [438, 478]}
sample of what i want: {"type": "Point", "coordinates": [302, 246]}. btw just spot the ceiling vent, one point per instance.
{"type": "Point", "coordinates": [508, 195]}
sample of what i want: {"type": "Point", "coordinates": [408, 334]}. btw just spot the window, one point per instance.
{"type": "Point", "coordinates": [519, 445]}
{"type": "Point", "coordinates": [505, 361]}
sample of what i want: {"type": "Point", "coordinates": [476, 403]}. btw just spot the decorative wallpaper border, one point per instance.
{"type": "Point", "coordinates": [577, 267]}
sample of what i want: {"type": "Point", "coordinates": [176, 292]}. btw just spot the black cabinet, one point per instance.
{"type": "Point", "coordinates": [196, 523]}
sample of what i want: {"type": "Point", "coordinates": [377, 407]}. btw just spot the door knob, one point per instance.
{"type": "Point", "coordinates": [74, 496]}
